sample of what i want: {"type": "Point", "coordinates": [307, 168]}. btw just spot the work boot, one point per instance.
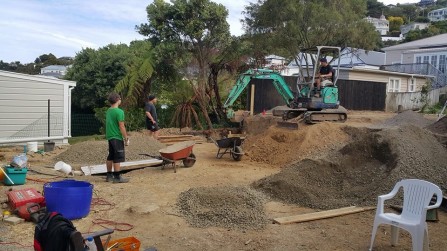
{"type": "Point", "coordinates": [109, 177]}
{"type": "Point", "coordinates": [120, 179]}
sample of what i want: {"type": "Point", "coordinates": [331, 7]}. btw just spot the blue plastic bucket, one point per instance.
{"type": "Point", "coordinates": [71, 198]}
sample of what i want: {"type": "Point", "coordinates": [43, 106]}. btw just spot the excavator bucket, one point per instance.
{"type": "Point", "coordinates": [288, 125]}
{"type": "Point", "coordinates": [291, 118]}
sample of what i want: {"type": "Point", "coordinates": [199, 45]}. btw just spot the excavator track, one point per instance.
{"type": "Point", "coordinates": [313, 117]}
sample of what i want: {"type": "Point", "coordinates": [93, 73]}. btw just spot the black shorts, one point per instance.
{"type": "Point", "coordinates": [116, 151]}
{"type": "Point", "coordinates": [152, 127]}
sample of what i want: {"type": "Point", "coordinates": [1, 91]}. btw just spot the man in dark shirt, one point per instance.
{"type": "Point", "coordinates": [151, 116]}
{"type": "Point", "coordinates": [325, 74]}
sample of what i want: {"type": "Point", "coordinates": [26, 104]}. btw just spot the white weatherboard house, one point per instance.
{"type": "Point", "coordinates": [24, 108]}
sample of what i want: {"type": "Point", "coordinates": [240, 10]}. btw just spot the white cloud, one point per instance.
{"type": "Point", "coordinates": [31, 28]}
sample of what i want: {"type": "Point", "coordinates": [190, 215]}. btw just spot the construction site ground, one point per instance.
{"type": "Point", "coordinates": [222, 204]}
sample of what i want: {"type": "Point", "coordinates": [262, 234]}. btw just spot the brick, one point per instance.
{"type": "Point", "coordinates": [13, 220]}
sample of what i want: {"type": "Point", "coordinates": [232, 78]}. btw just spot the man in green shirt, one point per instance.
{"type": "Point", "coordinates": [116, 135]}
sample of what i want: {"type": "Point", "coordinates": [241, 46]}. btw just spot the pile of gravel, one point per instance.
{"type": "Point", "coordinates": [367, 167]}
{"type": "Point", "coordinates": [95, 152]}
{"type": "Point", "coordinates": [439, 127]}
{"type": "Point", "coordinates": [408, 117]}
{"type": "Point", "coordinates": [228, 207]}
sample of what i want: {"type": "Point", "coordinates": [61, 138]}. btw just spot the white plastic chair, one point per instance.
{"type": "Point", "coordinates": [417, 197]}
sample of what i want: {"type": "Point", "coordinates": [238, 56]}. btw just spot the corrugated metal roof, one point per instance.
{"type": "Point", "coordinates": [435, 41]}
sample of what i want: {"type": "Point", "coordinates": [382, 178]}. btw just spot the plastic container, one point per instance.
{"type": "Point", "coordinates": [17, 175]}
{"type": "Point", "coordinates": [48, 146]}
{"type": "Point", "coordinates": [91, 245]}
{"type": "Point", "coordinates": [62, 167]}
{"type": "Point", "coordinates": [31, 146]}
{"type": "Point", "coordinates": [125, 244]}
{"type": "Point", "coordinates": [71, 198]}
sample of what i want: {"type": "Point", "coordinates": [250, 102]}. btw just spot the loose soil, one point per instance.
{"type": "Point", "coordinates": [205, 207]}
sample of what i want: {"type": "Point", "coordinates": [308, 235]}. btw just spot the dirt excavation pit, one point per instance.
{"type": "Point", "coordinates": [279, 146]}
{"type": "Point", "coordinates": [356, 174]}
{"type": "Point", "coordinates": [225, 206]}
{"type": "Point", "coordinates": [352, 174]}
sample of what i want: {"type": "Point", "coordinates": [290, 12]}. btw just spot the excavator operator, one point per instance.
{"type": "Point", "coordinates": [324, 74]}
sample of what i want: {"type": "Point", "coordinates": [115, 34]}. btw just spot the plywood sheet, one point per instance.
{"type": "Point", "coordinates": [96, 169]}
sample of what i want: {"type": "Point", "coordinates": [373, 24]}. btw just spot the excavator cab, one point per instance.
{"type": "Point", "coordinates": [312, 104]}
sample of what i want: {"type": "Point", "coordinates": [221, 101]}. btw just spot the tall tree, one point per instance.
{"type": "Point", "coordinates": [294, 25]}
{"type": "Point", "coordinates": [96, 73]}
{"type": "Point", "coordinates": [136, 84]}
{"type": "Point", "coordinates": [375, 8]}
{"type": "Point", "coordinates": [196, 27]}
{"type": "Point", "coordinates": [395, 23]}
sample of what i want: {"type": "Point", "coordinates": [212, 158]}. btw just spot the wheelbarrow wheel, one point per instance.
{"type": "Point", "coordinates": [189, 162]}
{"type": "Point", "coordinates": [237, 153]}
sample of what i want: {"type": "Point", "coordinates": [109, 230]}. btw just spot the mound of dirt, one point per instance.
{"type": "Point", "coordinates": [439, 127]}
{"type": "Point", "coordinates": [408, 117]}
{"type": "Point", "coordinates": [367, 167]}
{"type": "Point", "coordinates": [279, 146]}
{"type": "Point", "coordinates": [257, 124]}
{"type": "Point", "coordinates": [229, 207]}
{"type": "Point", "coordinates": [95, 152]}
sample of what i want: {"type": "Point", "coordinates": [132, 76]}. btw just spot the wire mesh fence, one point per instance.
{"type": "Point", "coordinates": [39, 128]}
{"type": "Point", "coordinates": [84, 124]}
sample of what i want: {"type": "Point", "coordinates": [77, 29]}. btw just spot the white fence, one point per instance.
{"type": "Point", "coordinates": [411, 100]}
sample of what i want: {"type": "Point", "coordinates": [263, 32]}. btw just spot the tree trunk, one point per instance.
{"type": "Point", "coordinates": [214, 88]}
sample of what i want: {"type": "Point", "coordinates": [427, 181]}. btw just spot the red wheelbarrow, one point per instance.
{"type": "Point", "coordinates": [181, 151]}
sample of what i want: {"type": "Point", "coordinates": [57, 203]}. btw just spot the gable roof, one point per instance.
{"type": "Point", "coordinates": [430, 42]}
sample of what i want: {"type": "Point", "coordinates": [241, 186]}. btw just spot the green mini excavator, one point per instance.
{"type": "Point", "coordinates": [307, 103]}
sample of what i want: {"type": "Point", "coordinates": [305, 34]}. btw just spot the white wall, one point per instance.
{"type": "Point", "coordinates": [24, 106]}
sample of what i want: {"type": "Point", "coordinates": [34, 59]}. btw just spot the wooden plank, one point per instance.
{"type": "Point", "coordinates": [95, 169]}
{"type": "Point", "coordinates": [321, 215]}
{"type": "Point", "coordinates": [175, 136]}
{"type": "Point", "coordinates": [179, 140]}
{"type": "Point", "coordinates": [172, 143]}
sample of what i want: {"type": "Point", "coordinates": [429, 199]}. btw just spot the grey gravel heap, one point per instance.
{"type": "Point", "coordinates": [228, 207]}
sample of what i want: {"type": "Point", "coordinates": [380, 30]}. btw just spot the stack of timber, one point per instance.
{"type": "Point", "coordinates": [172, 139]}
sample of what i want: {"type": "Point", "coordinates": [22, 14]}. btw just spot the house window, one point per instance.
{"type": "Point", "coordinates": [434, 60]}
{"type": "Point", "coordinates": [418, 60]}
{"type": "Point", "coordinates": [426, 59]}
{"type": "Point", "coordinates": [394, 85]}
{"type": "Point", "coordinates": [442, 63]}
{"type": "Point", "coordinates": [412, 85]}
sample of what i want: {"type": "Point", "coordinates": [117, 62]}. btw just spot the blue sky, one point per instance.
{"type": "Point", "coordinates": [30, 28]}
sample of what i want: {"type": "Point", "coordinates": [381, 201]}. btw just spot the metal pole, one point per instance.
{"type": "Point", "coordinates": [48, 119]}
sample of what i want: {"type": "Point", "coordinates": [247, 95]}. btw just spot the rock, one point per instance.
{"type": "Point", "coordinates": [143, 209]}
{"type": "Point", "coordinates": [13, 220]}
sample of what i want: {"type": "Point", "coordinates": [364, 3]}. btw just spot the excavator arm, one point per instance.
{"type": "Point", "coordinates": [244, 79]}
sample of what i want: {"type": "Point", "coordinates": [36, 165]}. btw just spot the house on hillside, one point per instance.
{"type": "Point", "coordinates": [274, 61]}
{"type": "Point", "coordinates": [57, 71]}
{"type": "Point", "coordinates": [425, 3]}
{"type": "Point", "coordinates": [437, 15]}
{"type": "Point", "coordinates": [404, 29]}
{"type": "Point", "coordinates": [426, 56]}
{"type": "Point", "coordinates": [31, 106]}
{"type": "Point", "coordinates": [382, 25]}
